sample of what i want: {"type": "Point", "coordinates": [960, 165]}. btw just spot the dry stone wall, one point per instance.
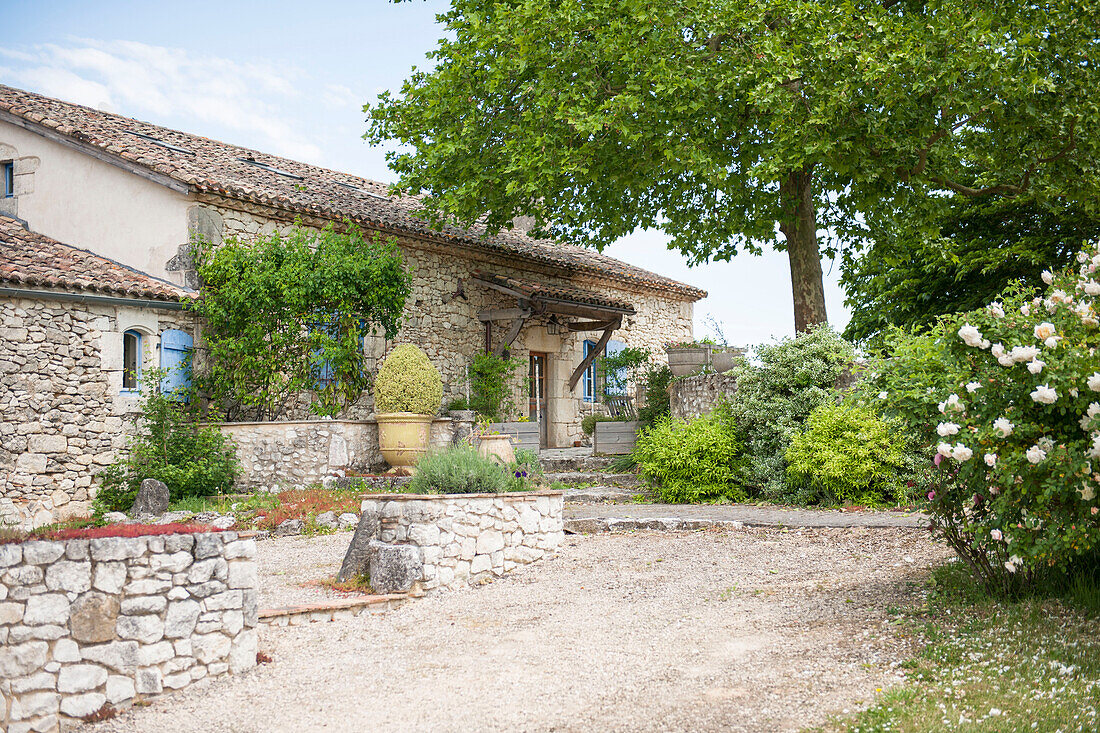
{"type": "Point", "coordinates": [63, 412]}
{"type": "Point", "coordinates": [463, 538]}
{"type": "Point", "coordinates": [697, 395]}
{"type": "Point", "coordinates": [87, 623]}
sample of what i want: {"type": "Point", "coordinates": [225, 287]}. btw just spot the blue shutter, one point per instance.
{"type": "Point", "coordinates": [589, 374]}
{"type": "Point", "coordinates": [613, 348]}
{"type": "Point", "coordinates": [175, 360]}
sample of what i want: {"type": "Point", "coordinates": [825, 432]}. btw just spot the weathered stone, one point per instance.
{"type": "Point", "coordinates": [489, 542]}
{"type": "Point", "coordinates": [147, 586]}
{"type": "Point", "coordinates": [181, 618]}
{"type": "Point", "coordinates": [327, 520]}
{"type": "Point", "coordinates": [120, 656]}
{"type": "Point", "coordinates": [79, 706]}
{"type": "Point", "coordinates": [41, 552]}
{"type": "Point", "coordinates": [177, 680]}
{"type": "Point", "coordinates": [117, 548]}
{"type": "Point", "coordinates": [208, 545]}
{"type": "Point", "coordinates": [149, 681]}
{"type": "Point", "coordinates": [223, 522]}
{"type": "Point", "coordinates": [76, 549]}
{"type": "Point", "coordinates": [357, 558]}
{"type": "Point", "coordinates": [49, 608]}
{"type": "Point", "coordinates": [243, 654]}
{"type": "Point", "coordinates": [109, 576]}
{"type": "Point", "coordinates": [251, 607]}
{"type": "Point", "coordinates": [11, 613]}
{"type": "Point", "coordinates": [230, 599]}
{"type": "Point", "coordinates": [289, 528]}
{"type": "Point", "coordinates": [80, 678]}
{"type": "Point", "coordinates": [138, 605]}
{"type": "Point", "coordinates": [11, 554]}
{"type": "Point", "coordinates": [38, 681]}
{"type": "Point", "coordinates": [347, 520]}
{"type": "Point", "coordinates": [394, 568]}
{"type": "Point", "coordinates": [157, 653]}
{"type": "Point", "coordinates": [119, 689]}
{"type": "Point", "coordinates": [93, 616]}
{"type": "Point", "coordinates": [210, 647]}
{"type": "Point", "coordinates": [146, 629]}
{"type": "Point", "coordinates": [66, 650]}
{"type": "Point", "coordinates": [34, 705]}
{"type": "Point", "coordinates": [19, 660]}
{"type": "Point", "coordinates": [152, 498]}
{"type": "Point", "coordinates": [240, 549]}
{"type": "Point", "coordinates": [71, 577]}
{"type": "Point", "coordinates": [243, 574]}
{"type": "Point", "coordinates": [173, 563]}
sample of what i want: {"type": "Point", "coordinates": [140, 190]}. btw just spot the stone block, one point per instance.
{"type": "Point", "coordinates": [117, 548]}
{"type": "Point", "coordinates": [180, 619]}
{"type": "Point", "coordinates": [148, 586]}
{"type": "Point", "coordinates": [119, 689]}
{"type": "Point", "coordinates": [44, 443]}
{"type": "Point", "coordinates": [69, 576]}
{"type": "Point", "coordinates": [30, 463]}
{"type": "Point", "coordinates": [37, 681]}
{"type": "Point", "coordinates": [151, 654]}
{"type": "Point", "coordinates": [11, 613]}
{"type": "Point", "coordinates": [120, 656]}
{"type": "Point", "coordinates": [146, 629]}
{"type": "Point", "coordinates": [79, 706]}
{"type": "Point", "coordinates": [10, 555]}
{"type": "Point", "coordinates": [80, 678]}
{"type": "Point", "coordinates": [20, 660]}
{"type": "Point", "coordinates": [41, 552]}
{"type": "Point", "coordinates": [139, 605]}
{"type": "Point", "coordinates": [109, 576]}
{"type": "Point", "coordinates": [92, 617]}
{"type": "Point", "coordinates": [34, 705]}
{"type": "Point", "coordinates": [480, 564]}
{"type": "Point", "coordinates": [175, 562]}
{"type": "Point", "coordinates": [152, 498]}
{"type": "Point", "coordinates": [66, 650]}
{"type": "Point", "coordinates": [149, 681]}
{"type": "Point", "coordinates": [240, 549]}
{"type": "Point", "coordinates": [243, 574]}
{"type": "Point", "coordinates": [48, 608]}
{"type": "Point", "coordinates": [230, 599]}
{"type": "Point", "coordinates": [207, 545]}
{"type": "Point", "coordinates": [210, 647]}
{"type": "Point", "coordinates": [489, 542]}
{"type": "Point", "coordinates": [357, 558]}
{"type": "Point", "coordinates": [394, 568]}
{"type": "Point", "coordinates": [242, 656]}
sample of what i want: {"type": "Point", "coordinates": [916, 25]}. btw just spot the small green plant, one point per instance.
{"type": "Point", "coordinates": [588, 422]}
{"type": "Point", "coordinates": [408, 382]}
{"type": "Point", "coordinates": [526, 472]}
{"type": "Point", "coordinates": [490, 389]}
{"type": "Point", "coordinates": [848, 455]}
{"type": "Point", "coordinates": [457, 404]}
{"type": "Point", "coordinates": [657, 400]}
{"type": "Point", "coordinates": [695, 461]}
{"type": "Point", "coordinates": [459, 470]}
{"type": "Point", "coordinates": [168, 445]}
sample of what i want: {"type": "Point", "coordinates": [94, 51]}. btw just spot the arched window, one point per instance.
{"type": "Point", "coordinates": [175, 360]}
{"type": "Point", "coordinates": [131, 360]}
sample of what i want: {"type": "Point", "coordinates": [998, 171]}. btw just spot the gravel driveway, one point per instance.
{"type": "Point", "coordinates": [743, 630]}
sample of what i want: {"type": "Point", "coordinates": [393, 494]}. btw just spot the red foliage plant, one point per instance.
{"type": "Point", "coordinates": [300, 503]}
{"type": "Point", "coordinates": [111, 530]}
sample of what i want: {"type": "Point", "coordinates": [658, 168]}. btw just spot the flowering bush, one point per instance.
{"type": "Point", "coordinates": [1018, 430]}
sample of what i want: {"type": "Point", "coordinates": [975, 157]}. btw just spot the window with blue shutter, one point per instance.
{"type": "Point", "coordinates": [9, 178]}
{"type": "Point", "coordinates": [132, 354]}
{"type": "Point", "coordinates": [175, 360]}
{"type": "Point", "coordinates": [589, 379]}
{"type": "Point", "coordinates": [617, 384]}
{"type": "Point", "coordinates": [323, 373]}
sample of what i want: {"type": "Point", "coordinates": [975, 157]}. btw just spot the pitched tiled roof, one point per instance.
{"type": "Point", "coordinates": [539, 291]}
{"type": "Point", "coordinates": [209, 166]}
{"type": "Point", "coordinates": [32, 259]}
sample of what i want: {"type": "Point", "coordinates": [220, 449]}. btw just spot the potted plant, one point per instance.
{"type": "Point", "coordinates": [494, 445]}
{"type": "Point", "coordinates": [687, 358]}
{"type": "Point", "coordinates": [408, 392]}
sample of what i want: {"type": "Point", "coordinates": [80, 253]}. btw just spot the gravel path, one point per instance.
{"type": "Point", "coordinates": [759, 516]}
{"type": "Point", "coordinates": [290, 566]}
{"type": "Point", "coordinates": [740, 630]}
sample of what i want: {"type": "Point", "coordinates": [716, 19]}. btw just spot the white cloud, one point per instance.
{"type": "Point", "coordinates": [169, 84]}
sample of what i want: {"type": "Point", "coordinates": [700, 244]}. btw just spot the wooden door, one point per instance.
{"type": "Point", "coordinates": [536, 398]}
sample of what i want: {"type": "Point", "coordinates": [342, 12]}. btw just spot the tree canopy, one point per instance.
{"type": "Point", "coordinates": [910, 276]}
{"type": "Point", "coordinates": [733, 125]}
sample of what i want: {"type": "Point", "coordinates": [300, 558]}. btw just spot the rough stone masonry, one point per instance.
{"type": "Point", "coordinates": [87, 623]}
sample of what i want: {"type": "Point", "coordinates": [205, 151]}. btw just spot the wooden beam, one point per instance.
{"type": "Point", "coordinates": [589, 325]}
{"type": "Point", "coordinates": [499, 288]}
{"type": "Point", "coordinates": [501, 314]}
{"type": "Point", "coordinates": [595, 312]}
{"type": "Point", "coordinates": [513, 332]}
{"type": "Point", "coordinates": [598, 349]}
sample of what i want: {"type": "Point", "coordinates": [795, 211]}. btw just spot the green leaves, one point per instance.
{"type": "Point", "coordinates": [285, 314]}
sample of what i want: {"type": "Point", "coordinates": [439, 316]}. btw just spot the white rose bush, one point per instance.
{"type": "Point", "coordinates": [1016, 426]}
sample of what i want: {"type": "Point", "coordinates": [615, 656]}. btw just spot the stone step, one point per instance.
{"type": "Point", "coordinates": [603, 494]}
{"type": "Point", "coordinates": [562, 464]}
{"type": "Point", "coordinates": [593, 477]}
{"type": "Point", "coordinates": [330, 610]}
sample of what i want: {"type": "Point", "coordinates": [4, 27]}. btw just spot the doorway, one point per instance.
{"type": "Point", "coordinates": [536, 395]}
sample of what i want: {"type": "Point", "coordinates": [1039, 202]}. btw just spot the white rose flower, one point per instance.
{"type": "Point", "coordinates": [1094, 382]}
{"type": "Point", "coordinates": [996, 534]}
{"type": "Point", "coordinates": [1087, 491]}
{"type": "Point", "coordinates": [973, 387]}
{"type": "Point", "coordinates": [997, 309]}
{"type": "Point", "coordinates": [1035, 454]}
{"type": "Point", "coordinates": [1094, 451]}
{"type": "Point", "coordinates": [1045, 330]}
{"type": "Point", "coordinates": [991, 459]}
{"type": "Point", "coordinates": [1010, 566]}
{"type": "Point", "coordinates": [970, 335]}
{"type": "Point", "coordinates": [1048, 277]}
{"type": "Point", "coordinates": [1035, 366]}
{"type": "Point", "coordinates": [1052, 342]}
{"type": "Point", "coordinates": [947, 428]}
{"type": "Point", "coordinates": [944, 449]}
{"type": "Point", "coordinates": [997, 350]}
{"type": "Point", "coordinates": [1003, 426]}
{"type": "Point", "coordinates": [1073, 392]}
{"type": "Point", "coordinates": [1025, 309]}
{"type": "Point", "coordinates": [954, 404]}
{"type": "Point", "coordinates": [1045, 394]}
{"type": "Point", "coordinates": [1082, 257]}
{"type": "Point", "coordinates": [1092, 288]}
{"type": "Point", "coordinates": [961, 453]}
{"type": "Point", "coordinates": [1023, 353]}
{"type": "Point", "coordinates": [1090, 415]}
{"type": "Point", "coordinates": [882, 395]}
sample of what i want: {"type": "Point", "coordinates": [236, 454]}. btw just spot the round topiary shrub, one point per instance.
{"type": "Point", "coordinates": [408, 382]}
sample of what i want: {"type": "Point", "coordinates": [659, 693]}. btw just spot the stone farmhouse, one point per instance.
{"type": "Point", "coordinates": [100, 211]}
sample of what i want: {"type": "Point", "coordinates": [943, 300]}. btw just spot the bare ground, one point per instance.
{"type": "Point", "coordinates": [740, 630]}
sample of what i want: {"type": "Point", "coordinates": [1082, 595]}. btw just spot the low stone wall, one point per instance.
{"type": "Point", "coordinates": [698, 395]}
{"type": "Point", "coordinates": [463, 538]}
{"type": "Point", "coordinates": [84, 623]}
{"type": "Point", "coordinates": [296, 453]}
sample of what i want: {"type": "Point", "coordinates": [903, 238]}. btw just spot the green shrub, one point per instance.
{"type": "Point", "coordinates": [775, 397]}
{"type": "Point", "coordinates": [526, 472]}
{"type": "Point", "coordinates": [490, 392]}
{"type": "Point", "coordinates": [459, 403]}
{"type": "Point", "coordinates": [695, 461]}
{"type": "Point", "coordinates": [657, 400]}
{"type": "Point", "coordinates": [408, 382]}
{"type": "Point", "coordinates": [459, 471]}
{"type": "Point", "coordinates": [169, 446]}
{"type": "Point", "coordinates": [588, 422]}
{"type": "Point", "coordinates": [849, 455]}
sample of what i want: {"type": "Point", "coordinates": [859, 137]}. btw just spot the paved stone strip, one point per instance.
{"type": "Point", "coordinates": [602, 495]}
{"type": "Point", "coordinates": [589, 518]}
{"type": "Point", "coordinates": [330, 610]}
{"type": "Point", "coordinates": [593, 477]}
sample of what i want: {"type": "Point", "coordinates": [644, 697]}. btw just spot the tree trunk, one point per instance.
{"type": "Point", "coordinates": [799, 227]}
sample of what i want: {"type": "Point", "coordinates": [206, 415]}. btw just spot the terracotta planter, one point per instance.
{"type": "Point", "coordinates": [497, 447]}
{"type": "Point", "coordinates": [686, 360]}
{"type": "Point", "coordinates": [403, 437]}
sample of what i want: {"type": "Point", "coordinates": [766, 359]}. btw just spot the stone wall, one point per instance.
{"type": "Point", "coordinates": [63, 412]}
{"type": "Point", "coordinates": [700, 394]}
{"type": "Point", "coordinates": [296, 453]}
{"type": "Point", "coordinates": [464, 538]}
{"type": "Point", "coordinates": [448, 329]}
{"type": "Point", "coordinates": [86, 623]}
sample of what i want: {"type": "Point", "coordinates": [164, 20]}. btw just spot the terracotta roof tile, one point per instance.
{"type": "Point", "coordinates": [32, 259]}
{"type": "Point", "coordinates": [210, 166]}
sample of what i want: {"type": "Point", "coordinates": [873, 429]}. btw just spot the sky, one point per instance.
{"type": "Point", "coordinates": [290, 78]}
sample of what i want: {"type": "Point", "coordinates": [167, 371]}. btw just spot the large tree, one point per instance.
{"type": "Point", "coordinates": [735, 124]}
{"type": "Point", "coordinates": [957, 260]}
